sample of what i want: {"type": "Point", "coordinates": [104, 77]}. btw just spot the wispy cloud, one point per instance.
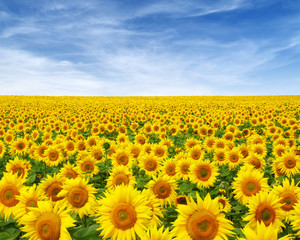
{"type": "Point", "coordinates": [158, 48]}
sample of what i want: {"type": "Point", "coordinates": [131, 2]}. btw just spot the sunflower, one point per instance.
{"type": "Point", "coordinates": [289, 195]}
{"type": "Point", "coordinates": [29, 197]}
{"type": "Point", "coordinates": [19, 147]}
{"type": "Point", "coordinates": [196, 153]}
{"type": "Point", "coordinates": [140, 139]}
{"type": "Point", "coordinates": [69, 147]}
{"type": "Point", "coordinates": [135, 150]}
{"type": "Point", "coordinates": [256, 161]}
{"type": "Point", "coordinates": [289, 163]}
{"type": "Point", "coordinates": [262, 232]}
{"type": "Point", "coordinates": [120, 175]}
{"type": "Point", "coordinates": [219, 156]}
{"type": "Point", "coordinates": [98, 154]}
{"type": "Point", "coordinates": [160, 151]}
{"type": "Point", "coordinates": [276, 170]}
{"type": "Point", "coordinates": [18, 167]}
{"type": "Point", "coordinates": [191, 142]}
{"type": "Point", "coordinates": [157, 234]}
{"type": "Point", "coordinates": [248, 183]}
{"type": "Point", "coordinates": [154, 204]}
{"type": "Point", "coordinates": [78, 196]}
{"type": "Point", "coordinates": [220, 143]}
{"type": "Point", "coordinates": [88, 166]}
{"type": "Point", "coordinates": [234, 158]}
{"type": "Point", "coordinates": [168, 167]}
{"type": "Point", "coordinates": [224, 204]}
{"type": "Point", "coordinates": [164, 189]}
{"type": "Point", "coordinates": [150, 163]}
{"type": "Point", "coordinates": [124, 212]}
{"type": "Point", "coordinates": [244, 150]}
{"type": "Point", "coordinates": [295, 218]}
{"type": "Point", "coordinates": [53, 156]}
{"type": "Point", "coordinates": [122, 157]}
{"type": "Point", "coordinates": [209, 144]}
{"type": "Point", "coordinates": [40, 152]}
{"type": "Point", "coordinates": [183, 168]}
{"type": "Point", "coordinates": [279, 150]}
{"type": "Point", "coordinates": [51, 186]}
{"type": "Point", "coordinates": [260, 150]}
{"type": "Point", "coordinates": [201, 220]}
{"type": "Point", "coordinates": [265, 207]}
{"type": "Point", "coordinates": [203, 173]}
{"type": "Point", "coordinates": [2, 149]}
{"type": "Point", "coordinates": [48, 221]}
{"type": "Point", "coordinates": [10, 187]}
{"type": "Point", "coordinates": [70, 171]}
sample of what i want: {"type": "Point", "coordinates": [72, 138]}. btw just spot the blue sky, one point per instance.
{"type": "Point", "coordinates": [149, 48]}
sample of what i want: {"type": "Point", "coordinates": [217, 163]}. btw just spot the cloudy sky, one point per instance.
{"type": "Point", "coordinates": [149, 47]}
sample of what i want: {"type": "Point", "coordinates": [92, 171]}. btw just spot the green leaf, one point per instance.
{"type": "Point", "coordinates": [88, 233]}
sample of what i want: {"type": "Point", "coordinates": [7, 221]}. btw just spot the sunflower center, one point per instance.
{"type": "Point", "coordinates": [202, 225]}
{"type": "Point", "coordinates": [121, 178]}
{"type": "Point", "coordinates": [32, 203]}
{"type": "Point", "coordinates": [170, 170]}
{"type": "Point", "coordinates": [87, 166]}
{"type": "Point", "coordinates": [250, 188]}
{"type": "Point", "coordinates": [78, 197]}
{"type": "Point", "coordinates": [19, 171]}
{"type": "Point", "coordinates": [8, 195]}
{"type": "Point", "coordinates": [185, 169]}
{"type": "Point", "coordinates": [123, 216]}
{"type": "Point", "coordinates": [221, 157]}
{"type": "Point", "coordinates": [71, 174]}
{"type": "Point", "coordinates": [53, 190]}
{"type": "Point", "coordinates": [21, 146]}
{"type": "Point", "coordinates": [196, 155]}
{"type": "Point", "coordinates": [162, 189]}
{"type": "Point", "coordinates": [70, 146]}
{"type": "Point", "coordinates": [289, 200]}
{"type": "Point", "coordinates": [150, 164]}
{"type": "Point", "coordinates": [48, 226]}
{"type": "Point", "coordinates": [53, 156]}
{"type": "Point", "coordinates": [122, 159]}
{"type": "Point", "coordinates": [266, 214]}
{"type": "Point", "coordinates": [290, 163]}
{"type": "Point", "coordinates": [222, 201]}
{"type": "Point", "coordinates": [159, 153]}
{"type": "Point", "coordinates": [234, 158]}
{"type": "Point", "coordinates": [203, 173]}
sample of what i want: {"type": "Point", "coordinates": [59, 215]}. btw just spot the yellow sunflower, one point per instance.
{"type": "Point", "coordinates": [234, 158]}
{"type": "Point", "coordinates": [70, 171]}
{"type": "Point", "coordinates": [262, 232]}
{"type": "Point", "coordinates": [78, 196]}
{"type": "Point", "coordinates": [154, 204]}
{"type": "Point", "coordinates": [183, 168]}
{"type": "Point", "coordinates": [201, 220]}
{"type": "Point", "coordinates": [19, 147]}
{"type": "Point", "coordinates": [168, 167]}
{"type": "Point", "coordinates": [289, 195]}
{"type": "Point", "coordinates": [219, 156]}
{"type": "Point", "coordinates": [150, 163]}
{"type": "Point", "coordinates": [157, 234]}
{"type": "Point", "coordinates": [10, 187]}
{"type": "Point", "coordinates": [248, 183]}
{"type": "Point", "coordinates": [122, 157]}
{"type": "Point", "coordinates": [2, 149]}
{"type": "Point", "coordinates": [29, 197]}
{"type": "Point", "coordinates": [87, 166]}
{"type": "Point", "coordinates": [164, 189]}
{"type": "Point", "coordinates": [256, 161]}
{"type": "Point", "coordinates": [265, 207]}
{"type": "Point", "coordinates": [289, 163]}
{"type": "Point", "coordinates": [51, 186]}
{"type": "Point", "coordinates": [48, 221]}
{"type": "Point", "coordinates": [160, 151]}
{"type": "Point", "coordinates": [69, 148]}
{"type": "Point", "coordinates": [18, 167]}
{"type": "Point", "coordinates": [295, 218]}
{"type": "Point", "coordinates": [260, 150]}
{"type": "Point", "coordinates": [203, 173]}
{"type": "Point", "coordinates": [224, 204]}
{"type": "Point", "coordinates": [118, 176]}
{"type": "Point", "coordinates": [53, 156]}
{"type": "Point", "coordinates": [124, 213]}
{"type": "Point", "coordinates": [196, 153]}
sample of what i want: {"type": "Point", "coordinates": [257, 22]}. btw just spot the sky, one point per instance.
{"type": "Point", "coordinates": [149, 47]}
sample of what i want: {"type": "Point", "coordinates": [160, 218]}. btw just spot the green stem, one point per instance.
{"type": "Point", "coordinates": [84, 219]}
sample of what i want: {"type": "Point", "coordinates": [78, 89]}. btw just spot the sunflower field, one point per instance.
{"type": "Point", "coordinates": [159, 168]}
